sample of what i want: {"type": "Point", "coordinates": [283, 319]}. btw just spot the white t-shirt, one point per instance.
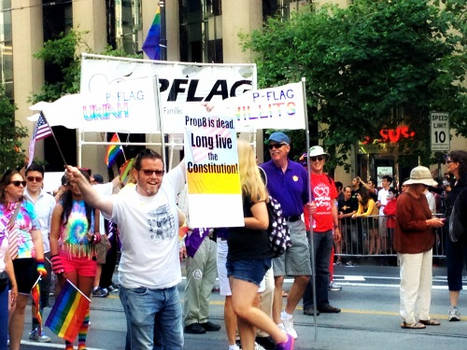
{"type": "Point", "coordinates": [44, 207]}
{"type": "Point", "coordinates": [431, 201]}
{"type": "Point", "coordinates": [149, 234]}
{"type": "Point", "coordinates": [383, 199]}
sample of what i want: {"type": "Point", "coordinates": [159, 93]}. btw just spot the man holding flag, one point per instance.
{"type": "Point", "coordinates": [149, 269]}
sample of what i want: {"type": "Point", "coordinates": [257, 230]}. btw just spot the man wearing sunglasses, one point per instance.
{"type": "Point", "coordinates": [325, 225]}
{"type": "Point", "coordinates": [44, 205]}
{"type": "Point", "coordinates": [149, 269]}
{"type": "Point", "coordinates": [287, 182]}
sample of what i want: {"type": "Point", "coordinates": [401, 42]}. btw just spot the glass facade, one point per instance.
{"type": "Point", "coordinates": [201, 30]}
{"type": "Point", "coordinates": [128, 25]}
{"type": "Point", "coordinates": [6, 50]}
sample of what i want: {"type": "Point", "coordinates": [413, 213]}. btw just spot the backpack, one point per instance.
{"type": "Point", "coordinates": [278, 231]}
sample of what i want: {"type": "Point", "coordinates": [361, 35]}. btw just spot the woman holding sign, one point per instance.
{"type": "Point", "coordinates": [73, 235]}
{"type": "Point", "coordinates": [249, 255]}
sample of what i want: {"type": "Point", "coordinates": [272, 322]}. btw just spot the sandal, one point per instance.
{"type": "Point", "coordinates": [415, 325]}
{"type": "Point", "coordinates": [430, 322]}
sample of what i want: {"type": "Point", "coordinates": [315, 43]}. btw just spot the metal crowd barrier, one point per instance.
{"type": "Point", "coordinates": [369, 236]}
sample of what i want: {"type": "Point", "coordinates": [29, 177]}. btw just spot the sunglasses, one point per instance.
{"type": "Point", "coordinates": [34, 178]}
{"type": "Point", "coordinates": [276, 145]}
{"type": "Point", "coordinates": [18, 183]}
{"type": "Point", "coordinates": [314, 159]}
{"type": "Point", "coordinates": [149, 172]}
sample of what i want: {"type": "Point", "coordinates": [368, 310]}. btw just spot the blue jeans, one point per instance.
{"type": "Point", "coordinates": [4, 319]}
{"type": "Point", "coordinates": [142, 306]}
{"type": "Point", "coordinates": [322, 248]}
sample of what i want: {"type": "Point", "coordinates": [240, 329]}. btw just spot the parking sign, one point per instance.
{"type": "Point", "coordinates": [440, 137]}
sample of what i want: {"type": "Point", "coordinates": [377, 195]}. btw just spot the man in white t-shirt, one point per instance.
{"type": "Point", "coordinates": [149, 269]}
{"type": "Point", "coordinates": [382, 220]}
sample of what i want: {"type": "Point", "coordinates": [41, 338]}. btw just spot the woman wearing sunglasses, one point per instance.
{"type": "Point", "coordinates": [73, 235]}
{"type": "Point", "coordinates": [19, 223]}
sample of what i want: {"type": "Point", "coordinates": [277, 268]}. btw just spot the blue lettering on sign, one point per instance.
{"type": "Point", "coordinates": [105, 111]}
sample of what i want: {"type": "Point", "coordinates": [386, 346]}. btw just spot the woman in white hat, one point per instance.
{"type": "Point", "coordinates": [413, 240]}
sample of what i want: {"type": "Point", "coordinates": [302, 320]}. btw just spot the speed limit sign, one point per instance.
{"type": "Point", "coordinates": [439, 131]}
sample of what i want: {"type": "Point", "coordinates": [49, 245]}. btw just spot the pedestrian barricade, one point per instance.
{"type": "Point", "coordinates": [370, 236]}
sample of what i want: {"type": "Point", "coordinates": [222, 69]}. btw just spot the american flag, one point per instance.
{"type": "Point", "coordinates": [41, 131]}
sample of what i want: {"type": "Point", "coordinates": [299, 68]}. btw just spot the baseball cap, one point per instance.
{"type": "Point", "coordinates": [279, 137]}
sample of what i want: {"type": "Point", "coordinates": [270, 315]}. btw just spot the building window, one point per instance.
{"type": "Point", "coordinates": [201, 31]}
{"type": "Point", "coordinates": [128, 25]}
{"type": "Point", "coordinates": [6, 50]}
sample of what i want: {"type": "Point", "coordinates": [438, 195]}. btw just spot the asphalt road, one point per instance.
{"type": "Point", "coordinates": [369, 318]}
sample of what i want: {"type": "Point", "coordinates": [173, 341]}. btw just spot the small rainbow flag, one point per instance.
{"type": "Point", "coordinates": [125, 169]}
{"type": "Point", "coordinates": [36, 310]}
{"type": "Point", "coordinates": [112, 151]}
{"type": "Point", "coordinates": [68, 312]}
{"type": "Point", "coordinates": [151, 44]}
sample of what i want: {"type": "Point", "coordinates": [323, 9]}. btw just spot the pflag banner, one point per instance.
{"type": "Point", "coordinates": [213, 178]}
{"type": "Point", "coordinates": [68, 312]}
{"type": "Point", "coordinates": [151, 45]}
{"type": "Point", "coordinates": [113, 151]}
{"type": "Point", "coordinates": [280, 107]}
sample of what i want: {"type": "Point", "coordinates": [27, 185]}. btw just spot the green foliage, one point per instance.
{"type": "Point", "coordinates": [377, 63]}
{"type": "Point", "coordinates": [11, 154]}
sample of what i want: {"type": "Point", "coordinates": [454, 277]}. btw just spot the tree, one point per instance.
{"type": "Point", "coordinates": [11, 154]}
{"type": "Point", "coordinates": [373, 65]}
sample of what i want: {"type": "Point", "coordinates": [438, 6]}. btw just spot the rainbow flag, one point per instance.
{"type": "Point", "coordinates": [112, 151]}
{"type": "Point", "coordinates": [68, 312]}
{"type": "Point", "coordinates": [125, 169]}
{"type": "Point", "coordinates": [36, 298]}
{"type": "Point", "coordinates": [151, 43]}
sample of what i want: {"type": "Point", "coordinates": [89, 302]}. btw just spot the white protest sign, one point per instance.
{"type": "Point", "coordinates": [182, 85]}
{"type": "Point", "coordinates": [279, 107]}
{"type": "Point", "coordinates": [214, 190]}
{"type": "Point", "coordinates": [124, 105]}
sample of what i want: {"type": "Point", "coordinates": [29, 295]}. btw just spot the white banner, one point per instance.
{"type": "Point", "coordinates": [213, 178]}
{"type": "Point", "coordinates": [182, 85]}
{"type": "Point", "coordinates": [124, 105]}
{"type": "Point", "coordinates": [279, 107]}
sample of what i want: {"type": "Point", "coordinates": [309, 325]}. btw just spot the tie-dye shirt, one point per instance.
{"type": "Point", "coordinates": [74, 237]}
{"type": "Point", "coordinates": [25, 222]}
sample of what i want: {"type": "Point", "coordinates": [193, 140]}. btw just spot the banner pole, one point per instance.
{"type": "Point", "coordinates": [310, 198]}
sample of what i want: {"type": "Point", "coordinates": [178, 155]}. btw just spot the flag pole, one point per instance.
{"type": "Point", "coordinates": [310, 198]}
{"type": "Point", "coordinates": [56, 142]}
{"type": "Point", "coordinates": [123, 150]}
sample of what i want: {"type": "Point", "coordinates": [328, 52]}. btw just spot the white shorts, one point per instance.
{"type": "Point", "coordinates": [224, 284]}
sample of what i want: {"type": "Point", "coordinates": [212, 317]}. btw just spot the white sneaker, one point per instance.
{"type": "Point", "coordinates": [258, 347]}
{"type": "Point", "coordinates": [288, 326]}
{"type": "Point", "coordinates": [234, 347]}
{"type": "Point", "coordinates": [454, 314]}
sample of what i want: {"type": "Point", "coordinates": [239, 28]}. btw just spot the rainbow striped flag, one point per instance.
{"type": "Point", "coordinates": [68, 312]}
{"type": "Point", "coordinates": [112, 151]}
{"type": "Point", "coordinates": [36, 298]}
{"type": "Point", "coordinates": [125, 169]}
{"type": "Point", "coordinates": [151, 43]}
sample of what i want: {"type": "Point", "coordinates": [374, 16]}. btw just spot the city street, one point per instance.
{"type": "Point", "coordinates": [369, 318]}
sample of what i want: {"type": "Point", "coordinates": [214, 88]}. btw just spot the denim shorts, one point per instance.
{"type": "Point", "coordinates": [248, 270]}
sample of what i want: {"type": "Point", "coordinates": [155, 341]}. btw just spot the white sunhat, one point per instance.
{"type": "Point", "coordinates": [420, 175]}
{"type": "Point", "coordinates": [317, 151]}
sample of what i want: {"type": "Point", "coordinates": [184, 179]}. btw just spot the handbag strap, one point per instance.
{"type": "Point", "coordinates": [15, 214]}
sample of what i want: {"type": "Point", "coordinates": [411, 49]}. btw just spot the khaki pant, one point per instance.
{"type": "Point", "coordinates": [415, 289]}
{"type": "Point", "coordinates": [267, 298]}
{"type": "Point", "coordinates": [201, 272]}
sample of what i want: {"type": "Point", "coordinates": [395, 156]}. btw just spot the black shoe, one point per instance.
{"type": "Point", "coordinates": [210, 326]}
{"type": "Point", "coordinates": [266, 342]}
{"type": "Point", "coordinates": [310, 311]}
{"type": "Point", "coordinates": [195, 328]}
{"type": "Point", "coordinates": [100, 292]}
{"type": "Point", "coordinates": [328, 309]}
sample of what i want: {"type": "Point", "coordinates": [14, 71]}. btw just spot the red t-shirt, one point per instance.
{"type": "Point", "coordinates": [324, 193]}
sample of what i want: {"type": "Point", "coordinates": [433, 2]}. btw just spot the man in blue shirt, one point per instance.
{"type": "Point", "coordinates": [287, 181]}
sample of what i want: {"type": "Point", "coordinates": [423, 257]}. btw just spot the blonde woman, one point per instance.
{"type": "Point", "coordinates": [249, 255]}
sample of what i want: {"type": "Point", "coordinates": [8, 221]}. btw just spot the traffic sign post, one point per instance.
{"type": "Point", "coordinates": [440, 136]}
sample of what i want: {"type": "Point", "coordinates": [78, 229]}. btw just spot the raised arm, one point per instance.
{"type": "Point", "coordinates": [90, 195]}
